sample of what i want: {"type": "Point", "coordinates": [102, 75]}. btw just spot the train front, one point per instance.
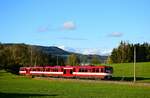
{"type": "Point", "coordinates": [109, 72]}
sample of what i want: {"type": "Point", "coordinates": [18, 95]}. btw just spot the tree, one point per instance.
{"type": "Point", "coordinates": [109, 60]}
{"type": "Point", "coordinates": [124, 53]}
{"type": "Point", "coordinates": [73, 60]}
{"type": "Point", "coordinates": [95, 60]}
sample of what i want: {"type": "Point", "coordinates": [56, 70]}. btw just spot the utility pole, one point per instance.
{"type": "Point", "coordinates": [134, 63]}
{"type": "Point", "coordinates": [31, 57]}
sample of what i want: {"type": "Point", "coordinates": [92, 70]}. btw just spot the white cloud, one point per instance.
{"type": "Point", "coordinates": [91, 51]}
{"type": "Point", "coordinates": [116, 34]}
{"type": "Point", "coordinates": [87, 51]}
{"type": "Point", "coordinates": [106, 52]}
{"type": "Point", "coordinates": [69, 25]}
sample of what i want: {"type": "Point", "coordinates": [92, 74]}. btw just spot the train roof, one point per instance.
{"type": "Point", "coordinates": [69, 66]}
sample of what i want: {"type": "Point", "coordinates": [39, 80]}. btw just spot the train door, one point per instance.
{"type": "Point", "coordinates": [27, 71]}
{"type": "Point", "coordinates": [67, 72]}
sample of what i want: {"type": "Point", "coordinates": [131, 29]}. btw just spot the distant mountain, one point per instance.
{"type": "Point", "coordinates": [53, 50]}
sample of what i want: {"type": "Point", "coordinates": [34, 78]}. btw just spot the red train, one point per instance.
{"type": "Point", "coordinates": [98, 72]}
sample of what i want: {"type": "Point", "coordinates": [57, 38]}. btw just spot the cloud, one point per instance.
{"type": "Point", "coordinates": [43, 29]}
{"type": "Point", "coordinates": [69, 25]}
{"type": "Point", "coordinates": [71, 38]}
{"type": "Point", "coordinates": [87, 51]}
{"type": "Point", "coordinates": [116, 34]}
{"type": "Point", "coordinates": [91, 51]}
{"type": "Point", "coordinates": [104, 52]}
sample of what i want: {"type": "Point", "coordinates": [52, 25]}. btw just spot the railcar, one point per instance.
{"type": "Point", "coordinates": [97, 72]}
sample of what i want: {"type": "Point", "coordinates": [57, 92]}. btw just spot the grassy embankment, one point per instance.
{"type": "Point", "coordinates": [12, 86]}
{"type": "Point", "coordinates": [124, 71]}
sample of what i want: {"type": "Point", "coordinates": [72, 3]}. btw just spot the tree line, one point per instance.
{"type": "Point", "coordinates": [124, 53]}
{"type": "Point", "coordinates": [14, 56]}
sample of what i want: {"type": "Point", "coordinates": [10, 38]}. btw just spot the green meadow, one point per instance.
{"type": "Point", "coordinates": [14, 86]}
{"type": "Point", "coordinates": [124, 71]}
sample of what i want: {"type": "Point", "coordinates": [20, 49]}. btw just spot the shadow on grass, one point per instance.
{"type": "Point", "coordinates": [128, 78]}
{"type": "Point", "coordinates": [24, 95]}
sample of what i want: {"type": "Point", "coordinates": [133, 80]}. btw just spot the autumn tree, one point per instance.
{"type": "Point", "coordinates": [73, 60]}
{"type": "Point", "coordinates": [95, 60]}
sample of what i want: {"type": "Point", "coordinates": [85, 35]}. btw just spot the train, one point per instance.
{"type": "Point", "coordinates": [91, 72]}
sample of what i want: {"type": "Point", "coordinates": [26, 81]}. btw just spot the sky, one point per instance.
{"type": "Point", "coordinates": [83, 26]}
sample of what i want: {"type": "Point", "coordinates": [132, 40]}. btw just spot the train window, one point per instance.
{"type": "Point", "coordinates": [80, 70]}
{"type": "Point", "coordinates": [89, 70]}
{"type": "Point", "coordinates": [33, 69]}
{"type": "Point", "coordinates": [52, 70]}
{"type": "Point", "coordinates": [55, 70]}
{"type": "Point", "coordinates": [93, 70]}
{"type": "Point", "coordinates": [47, 69]}
{"type": "Point", "coordinates": [74, 70]}
{"type": "Point", "coordinates": [108, 70]}
{"type": "Point", "coordinates": [61, 69]}
{"type": "Point", "coordinates": [97, 69]}
{"type": "Point", "coordinates": [85, 70]}
{"type": "Point", "coordinates": [40, 69]}
{"type": "Point", "coordinates": [64, 71]}
{"type": "Point", "coordinates": [71, 71]}
{"type": "Point", "coordinates": [102, 70]}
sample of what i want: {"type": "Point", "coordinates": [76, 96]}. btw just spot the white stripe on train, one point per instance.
{"type": "Point", "coordinates": [89, 73]}
{"type": "Point", "coordinates": [74, 73]}
{"type": "Point", "coordinates": [22, 71]}
{"type": "Point", "coordinates": [40, 72]}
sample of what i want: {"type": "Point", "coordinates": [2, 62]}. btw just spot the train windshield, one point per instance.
{"type": "Point", "coordinates": [108, 69]}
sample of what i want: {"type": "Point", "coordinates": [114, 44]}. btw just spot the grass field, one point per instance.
{"type": "Point", "coordinates": [124, 71]}
{"type": "Point", "coordinates": [12, 86]}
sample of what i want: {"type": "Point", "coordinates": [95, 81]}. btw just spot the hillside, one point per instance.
{"type": "Point", "coordinates": [124, 71]}
{"type": "Point", "coordinates": [48, 50]}
{"type": "Point", "coordinates": [60, 52]}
